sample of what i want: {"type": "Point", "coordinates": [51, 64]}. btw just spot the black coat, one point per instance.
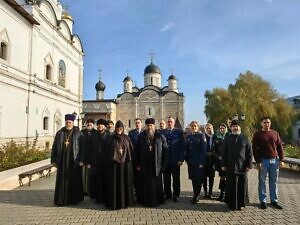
{"type": "Point", "coordinates": [86, 144]}
{"type": "Point", "coordinates": [217, 150]}
{"type": "Point", "coordinates": [160, 148]}
{"type": "Point", "coordinates": [237, 154]}
{"type": "Point", "coordinates": [96, 154]}
{"type": "Point", "coordinates": [57, 146]}
{"type": "Point", "coordinates": [68, 185]}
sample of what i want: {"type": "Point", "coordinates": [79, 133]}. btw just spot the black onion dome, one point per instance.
{"type": "Point", "coordinates": [100, 86]}
{"type": "Point", "coordinates": [152, 69]}
{"type": "Point", "coordinates": [172, 77]}
{"type": "Point", "coordinates": [127, 78]}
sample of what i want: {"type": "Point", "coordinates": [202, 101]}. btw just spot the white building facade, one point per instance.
{"type": "Point", "coordinates": [41, 70]}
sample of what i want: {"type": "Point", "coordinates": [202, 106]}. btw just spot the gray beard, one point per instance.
{"type": "Point", "coordinates": [236, 132]}
{"type": "Point", "coordinates": [150, 134]}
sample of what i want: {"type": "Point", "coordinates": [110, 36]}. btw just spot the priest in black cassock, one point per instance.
{"type": "Point", "coordinates": [151, 159]}
{"type": "Point", "coordinates": [66, 157]}
{"type": "Point", "coordinates": [96, 160]}
{"type": "Point", "coordinates": [119, 155]}
{"type": "Point", "coordinates": [236, 161]}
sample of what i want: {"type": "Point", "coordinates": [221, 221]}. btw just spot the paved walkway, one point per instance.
{"type": "Point", "coordinates": [34, 205]}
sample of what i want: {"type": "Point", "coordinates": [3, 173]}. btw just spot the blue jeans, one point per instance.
{"type": "Point", "coordinates": [271, 167]}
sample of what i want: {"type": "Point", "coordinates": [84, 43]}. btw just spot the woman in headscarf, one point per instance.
{"type": "Point", "coordinates": [120, 193]}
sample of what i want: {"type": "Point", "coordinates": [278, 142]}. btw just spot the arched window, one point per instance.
{"type": "Point", "coordinates": [46, 123]}
{"type": "Point", "coordinates": [3, 51]}
{"type": "Point", "coordinates": [48, 72]}
{"type": "Point", "coordinates": [62, 74]}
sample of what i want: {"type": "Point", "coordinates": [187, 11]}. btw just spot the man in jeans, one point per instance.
{"type": "Point", "coordinates": [268, 154]}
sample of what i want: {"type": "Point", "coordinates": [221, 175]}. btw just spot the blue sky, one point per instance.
{"type": "Point", "coordinates": [206, 43]}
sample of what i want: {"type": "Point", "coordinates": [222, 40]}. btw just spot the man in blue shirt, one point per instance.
{"type": "Point", "coordinates": [176, 149]}
{"type": "Point", "coordinates": [133, 135]}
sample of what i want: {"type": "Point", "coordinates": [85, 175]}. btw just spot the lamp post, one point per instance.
{"type": "Point", "coordinates": [75, 114]}
{"type": "Point", "coordinates": [82, 115]}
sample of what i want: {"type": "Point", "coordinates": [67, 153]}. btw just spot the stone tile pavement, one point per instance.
{"type": "Point", "coordinates": [34, 205]}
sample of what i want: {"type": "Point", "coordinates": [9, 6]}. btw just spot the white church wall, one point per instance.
{"type": "Point", "coordinates": [27, 60]}
{"type": "Point", "coordinates": [14, 24]}
{"type": "Point", "coordinates": [13, 106]}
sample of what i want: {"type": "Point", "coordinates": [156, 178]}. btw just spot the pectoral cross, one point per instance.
{"type": "Point", "coordinates": [67, 142]}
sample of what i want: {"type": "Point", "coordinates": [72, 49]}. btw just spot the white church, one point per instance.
{"type": "Point", "coordinates": [41, 70]}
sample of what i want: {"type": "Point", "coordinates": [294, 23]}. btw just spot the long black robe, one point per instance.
{"type": "Point", "coordinates": [68, 186]}
{"type": "Point", "coordinates": [237, 156]}
{"type": "Point", "coordinates": [120, 192]}
{"type": "Point", "coordinates": [151, 158]}
{"type": "Point", "coordinates": [86, 146]}
{"type": "Point", "coordinates": [98, 166]}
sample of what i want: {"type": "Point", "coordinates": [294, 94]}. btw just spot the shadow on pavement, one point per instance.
{"type": "Point", "coordinates": [288, 176]}
{"type": "Point", "coordinates": [44, 198]}
{"type": "Point", "coordinates": [28, 197]}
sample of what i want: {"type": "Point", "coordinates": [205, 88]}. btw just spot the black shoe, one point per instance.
{"type": "Point", "coordinates": [168, 197]}
{"type": "Point", "coordinates": [208, 196]}
{"type": "Point", "coordinates": [220, 198]}
{"type": "Point", "coordinates": [195, 200]}
{"type": "Point", "coordinates": [175, 199]}
{"type": "Point", "coordinates": [275, 205]}
{"type": "Point", "coordinates": [263, 205]}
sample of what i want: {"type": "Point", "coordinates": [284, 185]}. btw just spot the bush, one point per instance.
{"type": "Point", "coordinates": [292, 151]}
{"type": "Point", "coordinates": [14, 155]}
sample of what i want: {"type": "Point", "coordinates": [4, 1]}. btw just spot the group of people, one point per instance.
{"type": "Point", "coordinates": [144, 166]}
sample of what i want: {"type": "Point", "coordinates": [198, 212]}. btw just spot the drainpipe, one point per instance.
{"type": "Point", "coordinates": [29, 83]}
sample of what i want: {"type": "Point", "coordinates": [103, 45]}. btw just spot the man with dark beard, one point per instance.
{"type": "Point", "coordinates": [66, 157]}
{"type": "Point", "coordinates": [120, 193]}
{"type": "Point", "coordinates": [151, 159]}
{"type": "Point", "coordinates": [86, 147]}
{"type": "Point", "coordinates": [110, 127]}
{"type": "Point", "coordinates": [95, 161]}
{"type": "Point", "coordinates": [236, 162]}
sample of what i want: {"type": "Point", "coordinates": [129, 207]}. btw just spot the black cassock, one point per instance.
{"type": "Point", "coordinates": [119, 191]}
{"type": "Point", "coordinates": [151, 158]}
{"type": "Point", "coordinates": [65, 153]}
{"type": "Point", "coordinates": [237, 156]}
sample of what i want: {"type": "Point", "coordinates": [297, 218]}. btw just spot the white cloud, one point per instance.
{"type": "Point", "coordinates": [167, 26]}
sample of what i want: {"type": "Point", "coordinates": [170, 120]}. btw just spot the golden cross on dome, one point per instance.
{"type": "Point", "coordinates": [100, 73]}
{"type": "Point", "coordinates": [151, 54]}
{"type": "Point", "coordinates": [66, 7]}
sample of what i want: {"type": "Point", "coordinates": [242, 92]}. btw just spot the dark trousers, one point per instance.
{"type": "Point", "coordinates": [97, 187]}
{"type": "Point", "coordinates": [210, 184]}
{"type": "Point", "coordinates": [174, 171]}
{"type": "Point", "coordinates": [196, 187]}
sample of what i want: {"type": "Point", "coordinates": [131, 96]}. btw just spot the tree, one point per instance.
{"type": "Point", "coordinates": [254, 97]}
